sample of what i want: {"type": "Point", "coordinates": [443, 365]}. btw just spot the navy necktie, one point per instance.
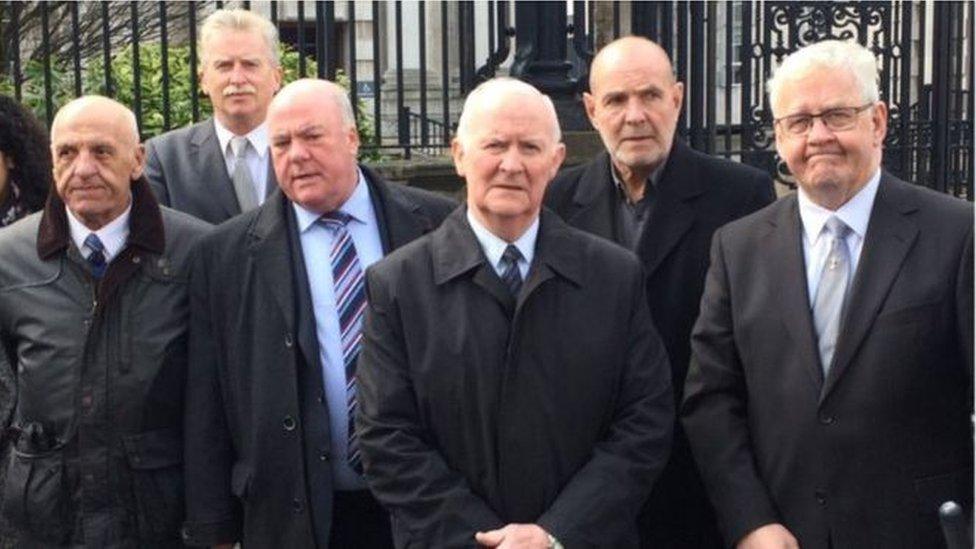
{"type": "Point", "coordinates": [512, 277]}
{"type": "Point", "coordinates": [350, 294]}
{"type": "Point", "coordinates": [97, 256]}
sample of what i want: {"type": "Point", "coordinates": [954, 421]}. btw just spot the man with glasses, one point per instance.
{"type": "Point", "coordinates": [828, 401]}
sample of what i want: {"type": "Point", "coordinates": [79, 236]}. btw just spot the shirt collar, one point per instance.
{"type": "Point", "coordinates": [258, 138]}
{"type": "Point", "coordinates": [113, 235]}
{"type": "Point", "coordinates": [855, 213]}
{"type": "Point", "coordinates": [358, 206]}
{"type": "Point", "coordinates": [494, 247]}
{"type": "Point", "coordinates": [652, 179]}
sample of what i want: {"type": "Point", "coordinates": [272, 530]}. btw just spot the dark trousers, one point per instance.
{"type": "Point", "coordinates": [359, 522]}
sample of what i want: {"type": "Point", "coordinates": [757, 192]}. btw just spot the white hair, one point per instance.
{"type": "Point", "coordinates": [329, 91]}
{"type": "Point", "coordinates": [81, 103]}
{"type": "Point", "coordinates": [240, 20]}
{"type": "Point", "coordinates": [834, 55]}
{"type": "Point", "coordinates": [493, 89]}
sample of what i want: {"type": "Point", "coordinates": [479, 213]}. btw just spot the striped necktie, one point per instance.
{"type": "Point", "coordinates": [512, 277]}
{"type": "Point", "coordinates": [97, 256]}
{"type": "Point", "coordinates": [350, 295]}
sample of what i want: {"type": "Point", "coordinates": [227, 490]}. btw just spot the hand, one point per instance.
{"type": "Point", "coordinates": [770, 536]}
{"type": "Point", "coordinates": [515, 536]}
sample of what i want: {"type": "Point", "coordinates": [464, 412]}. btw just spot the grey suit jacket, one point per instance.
{"type": "Point", "coordinates": [187, 172]}
{"type": "Point", "coordinates": [864, 457]}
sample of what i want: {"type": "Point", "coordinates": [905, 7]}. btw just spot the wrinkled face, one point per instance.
{"type": "Point", "coordinates": [634, 104]}
{"type": "Point", "coordinates": [507, 161]}
{"type": "Point", "coordinates": [837, 163]}
{"type": "Point", "coordinates": [314, 152]}
{"type": "Point", "coordinates": [238, 75]}
{"type": "Point", "coordinates": [96, 158]}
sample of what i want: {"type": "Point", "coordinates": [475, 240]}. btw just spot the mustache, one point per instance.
{"type": "Point", "coordinates": [232, 89]}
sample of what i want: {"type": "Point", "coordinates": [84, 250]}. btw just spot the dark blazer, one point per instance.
{"type": "Point", "coordinates": [187, 172]}
{"type": "Point", "coordinates": [257, 429]}
{"type": "Point", "coordinates": [477, 410]}
{"type": "Point", "coordinates": [866, 456]}
{"type": "Point", "coordinates": [696, 194]}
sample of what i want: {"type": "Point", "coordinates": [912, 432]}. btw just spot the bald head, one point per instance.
{"type": "Point", "coordinates": [102, 108]}
{"type": "Point", "coordinates": [315, 89]}
{"type": "Point", "coordinates": [503, 92]}
{"type": "Point", "coordinates": [629, 51]}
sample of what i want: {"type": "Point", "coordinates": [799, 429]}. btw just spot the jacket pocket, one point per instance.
{"type": "Point", "coordinates": [35, 497]}
{"type": "Point", "coordinates": [155, 462]}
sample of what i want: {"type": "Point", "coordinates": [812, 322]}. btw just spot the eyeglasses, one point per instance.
{"type": "Point", "coordinates": [836, 120]}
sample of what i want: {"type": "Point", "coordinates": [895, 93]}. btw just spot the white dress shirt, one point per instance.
{"type": "Point", "coordinates": [855, 213]}
{"type": "Point", "coordinates": [256, 155]}
{"type": "Point", "coordinates": [317, 242]}
{"type": "Point", "coordinates": [113, 235]}
{"type": "Point", "coordinates": [494, 247]}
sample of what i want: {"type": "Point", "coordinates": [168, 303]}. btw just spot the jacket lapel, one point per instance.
{"type": "Point", "coordinates": [400, 219]}
{"type": "Point", "coordinates": [672, 216]}
{"type": "Point", "coordinates": [792, 295]}
{"type": "Point", "coordinates": [206, 156]}
{"type": "Point", "coordinates": [594, 199]}
{"type": "Point", "coordinates": [889, 238]}
{"type": "Point", "coordinates": [556, 253]}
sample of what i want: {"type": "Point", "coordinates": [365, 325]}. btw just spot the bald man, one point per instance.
{"type": "Point", "coordinates": [513, 392]}
{"type": "Point", "coordinates": [651, 193]}
{"type": "Point", "coordinates": [93, 316]}
{"type": "Point", "coordinates": [277, 302]}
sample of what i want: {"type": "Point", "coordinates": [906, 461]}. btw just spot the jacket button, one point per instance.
{"type": "Point", "coordinates": [827, 420]}
{"type": "Point", "coordinates": [288, 340]}
{"type": "Point", "coordinates": [136, 259]}
{"type": "Point", "coordinates": [296, 505]}
{"type": "Point", "coordinates": [185, 533]}
{"type": "Point", "coordinates": [288, 423]}
{"type": "Point", "coordinates": [821, 497]}
{"type": "Point", "coordinates": [324, 456]}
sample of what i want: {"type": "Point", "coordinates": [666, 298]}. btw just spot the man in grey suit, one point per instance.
{"type": "Point", "coordinates": [829, 397]}
{"type": "Point", "coordinates": [276, 305]}
{"type": "Point", "coordinates": [220, 167]}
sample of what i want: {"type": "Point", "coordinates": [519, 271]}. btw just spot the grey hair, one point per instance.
{"type": "Point", "coordinates": [495, 88]}
{"type": "Point", "coordinates": [835, 55]}
{"type": "Point", "coordinates": [334, 91]}
{"type": "Point", "coordinates": [84, 101]}
{"type": "Point", "coordinates": [238, 20]}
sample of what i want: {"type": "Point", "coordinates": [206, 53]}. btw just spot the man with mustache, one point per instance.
{"type": "Point", "coordinates": [654, 195]}
{"type": "Point", "coordinates": [93, 324]}
{"type": "Point", "coordinates": [220, 167]}
{"type": "Point", "coordinates": [513, 393]}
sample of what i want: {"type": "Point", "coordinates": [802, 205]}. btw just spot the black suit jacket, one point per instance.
{"type": "Point", "coordinates": [866, 456]}
{"type": "Point", "coordinates": [477, 409]}
{"type": "Point", "coordinates": [257, 424]}
{"type": "Point", "coordinates": [187, 172]}
{"type": "Point", "coordinates": [696, 194]}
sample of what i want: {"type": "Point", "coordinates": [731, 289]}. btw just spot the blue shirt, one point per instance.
{"type": "Point", "coordinates": [494, 247]}
{"type": "Point", "coordinates": [316, 242]}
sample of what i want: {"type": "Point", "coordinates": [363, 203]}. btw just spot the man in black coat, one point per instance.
{"type": "Point", "coordinates": [830, 392]}
{"type": "Point", "coordinates": [270, 458]}
{"type": "Point", "coordinates": [652, 194]}
{"type": "Point", "coordinates": [502, 413]}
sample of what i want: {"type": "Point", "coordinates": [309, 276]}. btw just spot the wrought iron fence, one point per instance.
{"type": "Point", "coordinates": [408, 64]}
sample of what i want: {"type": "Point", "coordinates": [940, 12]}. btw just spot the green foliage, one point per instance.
{"type": "Point", "coordinates": [150, 85]}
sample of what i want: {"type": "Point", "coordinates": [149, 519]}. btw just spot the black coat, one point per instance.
{"type": "Point", "coordinates": [254, 411]}
{"type": "Point", "coordinates": [477, 410]}
{"type": "Point", "coordinates": [867, 455]}
{"type": "Point", "coordinates": [696, 194]}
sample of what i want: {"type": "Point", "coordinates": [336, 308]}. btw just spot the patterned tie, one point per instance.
{"type": "Point", "coordinates": [828, 305]}
{"type": "Point", "coordinates": [512, 277]}
{"type": "Point", "coordinates": [97, 256]}
{"type": "Point", "coordinates": [247, 196]}
{"type": "Point", "coordinates": [347, 280]}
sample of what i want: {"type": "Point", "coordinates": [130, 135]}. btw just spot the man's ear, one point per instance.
{"type": "Point", "coordinates": [140, 158]}
{"type": "Point", "coordinates": [457, 152]}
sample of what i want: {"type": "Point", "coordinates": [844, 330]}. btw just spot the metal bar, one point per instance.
{"type": "Point", "coordinates": [905, 82]}
{"type": "Point", "coordinates": [745, 58]}
{"type": "Point", "coordinates": [402, 138]}
{"type": "Point", "coordinates": [445, 75]}
{"type": "Point", "coordinates": [274, 12]}
{"type": "Point", "coordinates": [681, 55]}
{"type": "Point", "coordinates": [192, 28]}
{"type": "Point", "coordinates": [353, 77]}
{"type": "Point", "coordinates": [377, 119]}
{"type": "Point", "coordinates": [667, 23]}
{"type": "Point", "coordinates": [422, 40]}
{"type": "Point", "coordinates": [710, 93]}
{"type": "Point", "coordinates": [942, 43]}
{"type": "Point", "coordinates": [325, 40]}
{"type": "Point", "coordinates": [106, 50]}
{"type": "Point", "coordinates": [136, 69]}
{"type": "Point", "coordinates": [15, 24]}
{"type": "Point", "coordinates": [46, 52]}
{"type": "Point", "coordinates": [616, 19]}
{"type": "Point", "coordinates": [164, 61]}
{"type": "Point", "coordinates": [302, 70]}
{"type": "Point", "coordinates": [971, 165]}
{"type": "Point", "coordinates": [76, 47]}
{"type": "Point", "coordinates": [729, 47]}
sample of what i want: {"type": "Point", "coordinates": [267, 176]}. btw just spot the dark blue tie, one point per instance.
{"type": "Point", "coordinates": [350, 295]}
{"type": "Point", "coordinates": [97, 256]}
{"type": "Point", "coordinates": [512, 277]}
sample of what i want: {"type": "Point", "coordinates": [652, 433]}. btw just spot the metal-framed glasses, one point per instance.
{"type": "Point", "coordinates": [836, 120]}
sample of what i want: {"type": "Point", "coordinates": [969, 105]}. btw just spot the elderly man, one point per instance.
{"type": "Point", "coordinates": [513, 392]}
{"type": "Point", "coordinates": [829, 397]}
{"type": "Point", "coordinates": [652, 194]}
{"type": "Point", "coordinates": [277, 301]}
{"type": "Point", "coordinates": [220, 167]}
{"type": "Point", "coordinates": [93, 315]}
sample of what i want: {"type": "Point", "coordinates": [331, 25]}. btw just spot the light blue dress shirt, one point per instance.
{"type": "Point", "coordinates": [316, 242]}
{"type": "Point", "coordinates": [494, 247]}
{"type": "Point", "coordinates": [855, 213]}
